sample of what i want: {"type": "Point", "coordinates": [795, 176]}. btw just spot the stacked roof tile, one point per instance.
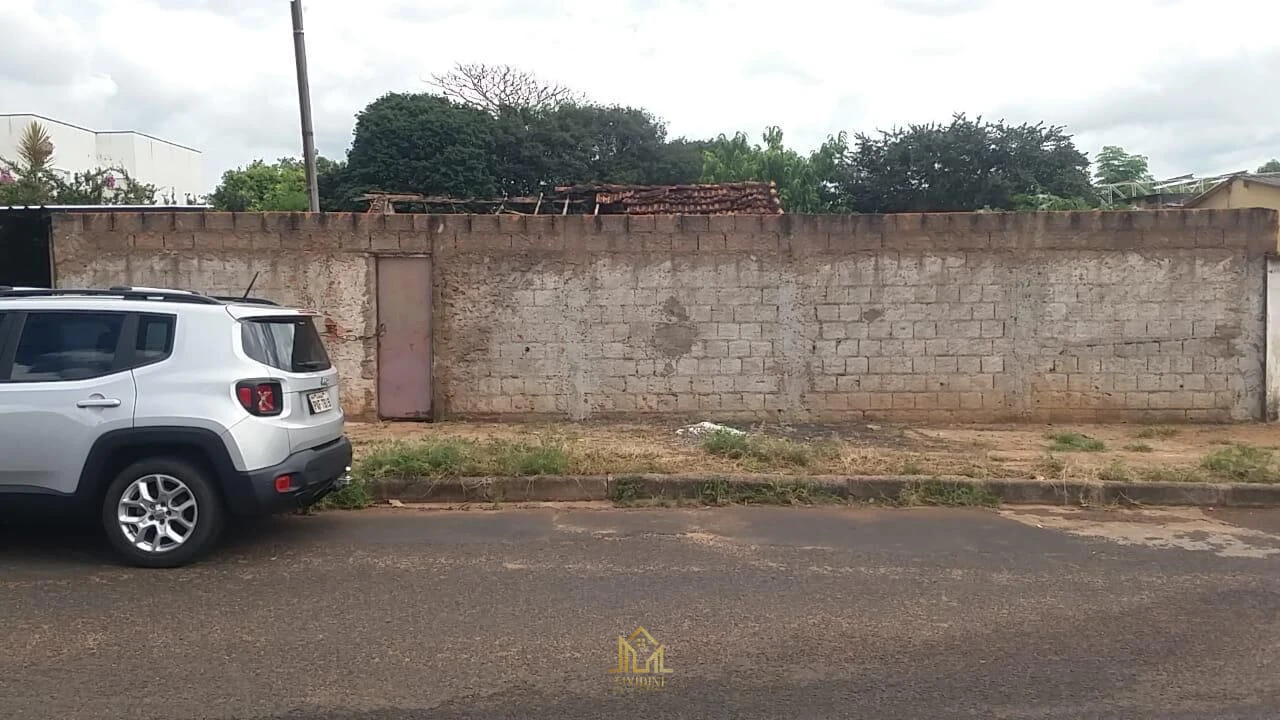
{"type": "Point", "coordinates": [740, 198]}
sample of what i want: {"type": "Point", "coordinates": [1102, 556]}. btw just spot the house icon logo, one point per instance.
{"type": "Point", "coordinates": [642, 663]}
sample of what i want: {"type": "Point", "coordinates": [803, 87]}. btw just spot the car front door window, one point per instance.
{"type": "Point", "coordinates": [66, 346]}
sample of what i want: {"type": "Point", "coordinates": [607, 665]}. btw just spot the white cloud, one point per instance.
{"type": "Point", "coordinates": [1194, 89]}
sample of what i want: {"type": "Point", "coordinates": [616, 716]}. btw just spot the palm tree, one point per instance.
{"type": "Point", "coordinates": [29, 179]}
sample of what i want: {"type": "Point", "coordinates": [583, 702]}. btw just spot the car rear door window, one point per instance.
{"type": "Point", "coordinates": [155, 339]}
{"type": "Point", "coordinates": [291, 344]}
{"type": "Point", "coordinates": [66, 346]}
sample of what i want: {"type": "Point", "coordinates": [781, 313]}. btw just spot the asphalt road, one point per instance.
{"type": "Point", "coordinates": [762, 613]}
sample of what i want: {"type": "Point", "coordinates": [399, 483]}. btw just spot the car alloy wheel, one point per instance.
{"type": "Point", "coordinates": [158, 513]}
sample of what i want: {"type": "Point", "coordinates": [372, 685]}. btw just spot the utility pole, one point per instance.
{"type": "Point", "coordinates": [304, 102]}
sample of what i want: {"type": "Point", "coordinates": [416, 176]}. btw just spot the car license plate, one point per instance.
{"type": "Point", "coordinates": [319, 401]}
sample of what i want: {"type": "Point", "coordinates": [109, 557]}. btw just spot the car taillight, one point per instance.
{"type": "Point", "coordinates": [260, 398]}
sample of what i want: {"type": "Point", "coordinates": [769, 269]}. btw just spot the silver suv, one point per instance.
{"type": "Point", "coordinates": [165, 411]}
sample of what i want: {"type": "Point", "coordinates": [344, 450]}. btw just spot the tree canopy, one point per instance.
{"type": "Point", "coordinates": [961, 166]}
{"type": "Point", "coordinates": [804, 183]}
{"type": "Point", "coordinates": [1270, 166]}
{"type": "Point", "coordinates": [334, 184]}
{"type": "Point", "coordinates": [259, 187]}
{"type": "Point", "coordinates": [282, 186]}
{"type": "Point", "coordinates": [578, 144]}
{"type": "Point", "coordinates": [492, 131]}
{"type": "Point", "coordinates": [1114, 165]}
{"type": "Point", "coordinates": [433, 145]}
{"type": "Point", "coordinates": [423, 143]}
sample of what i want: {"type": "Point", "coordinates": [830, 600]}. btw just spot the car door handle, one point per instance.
{"type": "Point", "coordinates": [97, 402]}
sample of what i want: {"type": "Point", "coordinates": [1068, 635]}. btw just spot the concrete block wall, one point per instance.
{"type": "Point", "coordinates": [984, 316]}
{"type": "Point", "coordinates": [1149, 315]}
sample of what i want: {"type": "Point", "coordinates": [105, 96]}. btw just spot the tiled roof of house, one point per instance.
{"type": "Point", "coordinates": [740, 198]}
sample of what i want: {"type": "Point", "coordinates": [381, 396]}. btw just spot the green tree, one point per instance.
{"type": "Point", "coordinates": [1270, 166]}
{"type": "Point", "coordinates": [103, 186]}
{"type": "Point", "coordinates": [680, 162]}
{"type": "Point", "coordinates": [804, 183]}
{"type": "Point", "coordinates": [424, 144]}
{"type": "Point", "coordinates": [435, 146]}
{"type": "Point", "coordinates": [577, 144]}
{"type": "Point", "coordinates": [824, 164]}
{"type": "Point", "coordinates": [281, 186]}
{"type": "Point", "coordinates": [964, 165]}
{"type": "Point", "coordinates": [537, 150]}
{"type": "Point", "coordinates": [617, 144]}
{"type": "Point", "coordinates": [1114, 165]}
{"type": "Point", "coordinates": [333, 183]}
{"type": "Point", "coordinates": [29, 179]}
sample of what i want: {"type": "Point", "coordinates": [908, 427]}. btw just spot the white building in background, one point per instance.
{"type": "Point", "coordinates": [176, 170]}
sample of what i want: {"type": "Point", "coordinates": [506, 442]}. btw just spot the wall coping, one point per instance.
{"type": "Point", "coordinates": [1254, 230]}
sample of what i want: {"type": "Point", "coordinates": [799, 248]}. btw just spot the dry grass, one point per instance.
{"type": "Point", "coordinates": [847, 449]}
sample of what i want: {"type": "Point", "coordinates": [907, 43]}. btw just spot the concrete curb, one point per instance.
{"type": "Point", "coordinates": [857, 488]}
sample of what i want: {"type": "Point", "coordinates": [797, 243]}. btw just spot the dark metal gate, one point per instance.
{"type": "Point", "coordinates": [25, 257]}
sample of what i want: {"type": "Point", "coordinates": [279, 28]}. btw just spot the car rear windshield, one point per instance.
{"type": "Point", "coordinates": [287, 343]}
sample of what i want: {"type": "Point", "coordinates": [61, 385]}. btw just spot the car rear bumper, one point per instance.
{"type": "Point", "coordinates": [312, 474]}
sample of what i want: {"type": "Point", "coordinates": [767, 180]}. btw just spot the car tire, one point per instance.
{"type": "Point", "coordinates": [162, 512]}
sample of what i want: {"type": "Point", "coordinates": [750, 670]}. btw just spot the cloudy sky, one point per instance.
{"type": "Point", "coordinates": [1193, 84]}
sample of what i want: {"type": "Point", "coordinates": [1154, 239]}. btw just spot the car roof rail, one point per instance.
{"type": "Point", "coordinates": [124, 292]}
{"type": "Point", "coordinates": [239, 299]}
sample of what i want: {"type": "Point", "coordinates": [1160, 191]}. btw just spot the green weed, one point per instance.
{"type": "Point", "coordinates": [461, 458]}
{"type": "Point", "coordinates": [947, 494]}
{"type": "Point", "coordinates": [721, 491]}
{"type": "Point", "coordinates": [1242, 463]}
{"type": "Point", "coordinates": [625, 490]}
{"type": "Point", "coordinates": [525, 459]}
{"type": "Point", "coordinates": [1074, 441]}
{"type": "Point", "coordinates": [352, 497]}
{"type": "Point", "coordinates": [726, 442]}
{"type": "Point", "coordinates": [715, 491]}
{"type": "Point", "coordinates": [405, 459]}
{"type": "Point", "coordinates": [759, 453]}
{"type": "Point", "coordinates": [786, 492]}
